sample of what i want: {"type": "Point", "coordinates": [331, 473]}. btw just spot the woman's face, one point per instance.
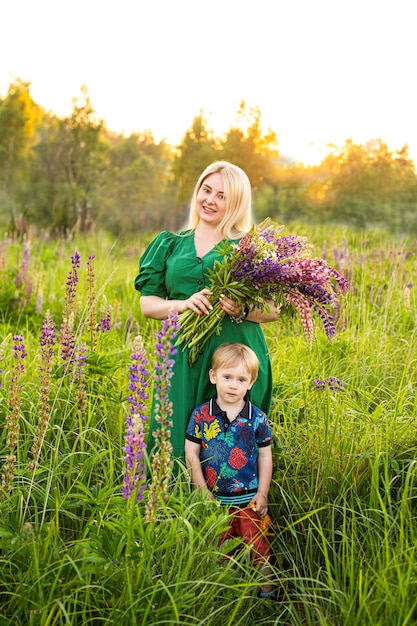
{"type": "Point", "coordinates": [211, 202]}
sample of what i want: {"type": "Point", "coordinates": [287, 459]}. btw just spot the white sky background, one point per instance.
{"type": "Point", "coordinates": [320, 71]}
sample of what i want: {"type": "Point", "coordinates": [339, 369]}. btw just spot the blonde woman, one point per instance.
{"type": "Point", "coordinates": [173, 276]}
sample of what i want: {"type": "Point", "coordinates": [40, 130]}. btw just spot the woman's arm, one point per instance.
{"type": "Point", "coordinates": [158, 308]}
{"type": "Point", "coordinates": [256, 315]}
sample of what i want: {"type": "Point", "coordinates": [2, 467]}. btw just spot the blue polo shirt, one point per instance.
{"type": "Point", "coordinates": [229, 450]}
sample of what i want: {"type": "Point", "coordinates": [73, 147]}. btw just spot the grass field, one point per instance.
{"type": "Point", "coordinates": [344, 492]}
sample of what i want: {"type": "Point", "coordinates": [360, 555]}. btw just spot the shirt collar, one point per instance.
{"type": "Point", "coordinates": [216, 410]}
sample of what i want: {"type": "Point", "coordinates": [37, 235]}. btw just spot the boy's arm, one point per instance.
{"type": "Point", "coordinates": [192, 459]}
{"type": "Point", "coordinates": [260, 499]}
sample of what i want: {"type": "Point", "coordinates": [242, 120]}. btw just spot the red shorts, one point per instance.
{"type": "Point", "coordinates": [245, 524]}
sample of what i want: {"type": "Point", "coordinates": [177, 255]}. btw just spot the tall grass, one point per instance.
{"type": "Point", "coordinates": [343, 498]}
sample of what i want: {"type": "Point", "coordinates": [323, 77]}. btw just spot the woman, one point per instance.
{"type": "Point", "coordinates": [172, 275]}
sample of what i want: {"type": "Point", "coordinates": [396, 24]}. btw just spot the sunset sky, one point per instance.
{"type": "Point", "coordinates": [320, 71]}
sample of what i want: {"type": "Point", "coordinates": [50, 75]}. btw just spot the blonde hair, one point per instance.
{"type": "Point", "coordinates": [237, 190]}
{"type": "Point", "coordinates": [230, 354]}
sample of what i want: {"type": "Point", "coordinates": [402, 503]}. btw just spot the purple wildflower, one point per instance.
{"type": "Point", "coordinates": [67, 335]}
{"type": "Point", "coordinates": [134, 476]}
{"type": "Point", "coordinates": [161, 463]}
{"type": "Point", "coordinates": [332, 383]}
{"type": "Point", "coordinates": [105, 317]}
{"type": "Point", "coordinates": [71, 285]}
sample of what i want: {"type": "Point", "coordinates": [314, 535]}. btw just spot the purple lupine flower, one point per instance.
{"type": "Point", "coordinates": [105, 317]}
{"type": "Point", "coordinates": [71, 285]}
{"type": "Point", "coordinates": [162, 462]}
{"type": "Point", "coordinates": [14, 404]}
{"type": "Point", "coordinates": [47, 343]}
{"type": "Point", "coordinates": [67, 334]}
{"type": "Point", "coordinates": [19, 350]}
{"type": "Point", "coordinates": [332, 383]}
{"type": "Point", "coordinates": [134, 475]}
{"type": "Point", "coordinates": [105, 323]}
{"type": "Point", "coordinates": [76, 260]}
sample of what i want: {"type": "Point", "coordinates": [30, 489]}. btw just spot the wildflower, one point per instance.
{"type": "Point", "coordinates": [67, 335]}
{"type": "Point", "coordinates": [47, 343]}
{"type": "Point", "coordinates": [67, 341]}
{"type": "Point", "coordinates": [332, 383]}
{"type": "Point", "coordinates": [161, 464]}
{"type": "Point", "coordinates": [105, 316]}
{"type": "Point", "coordinates": [263, 267]}
{"type": "Point", "coordinates": [71, 285]}
{"type": "Point", "coordinates": [13, 403]}
{"type": "Point", "coordinates": [134, 478]}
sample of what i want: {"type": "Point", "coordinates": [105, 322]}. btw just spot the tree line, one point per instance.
{"type": "Point", "coordinates": [66, 174]}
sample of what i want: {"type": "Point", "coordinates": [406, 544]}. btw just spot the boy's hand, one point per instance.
{"type": "Point", "coordinates": [259, 504]}
{"type": "Point", "coordinates": [265, 524]}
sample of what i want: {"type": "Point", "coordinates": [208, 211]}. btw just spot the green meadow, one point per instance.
{"type": "Point", "coordinates": [343, 501]}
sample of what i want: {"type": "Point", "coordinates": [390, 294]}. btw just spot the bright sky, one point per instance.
{"type": "Point", "coordinates": [320, 71]}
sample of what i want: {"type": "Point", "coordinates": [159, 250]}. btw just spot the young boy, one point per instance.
{"type": "Point", "coordinates": [228, 449]}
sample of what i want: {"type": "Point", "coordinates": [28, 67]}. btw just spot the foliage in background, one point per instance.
{"type": "Point", "coordinates": [74, 175]}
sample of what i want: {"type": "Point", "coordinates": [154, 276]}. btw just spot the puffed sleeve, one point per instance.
{"type": "Point", "coordinates": [152, 266]}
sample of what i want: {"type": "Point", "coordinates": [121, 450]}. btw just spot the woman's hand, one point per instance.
{"type": "Point", "coordinates": [199, 302]}
{"type": "Point", "coordinates": [230, 307]}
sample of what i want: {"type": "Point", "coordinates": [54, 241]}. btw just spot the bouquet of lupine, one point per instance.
{"type": "Point", "coordinates": [263, 267]}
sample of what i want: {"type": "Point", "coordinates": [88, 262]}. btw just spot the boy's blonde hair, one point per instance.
{"type": "Point", "coordinates": [230, 354]}
{"type": "Point", "coordinates": [238, 194]}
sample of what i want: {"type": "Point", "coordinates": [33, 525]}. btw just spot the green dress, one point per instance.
{"type": "Point", "coordinates": [170, 268]}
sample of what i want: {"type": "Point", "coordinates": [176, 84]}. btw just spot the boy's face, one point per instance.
{"type": "Point", "coordinates": [232, 383]}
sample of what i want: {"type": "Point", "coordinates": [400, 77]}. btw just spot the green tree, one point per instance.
{"type": "Point", "coordinates": [369, 184]}
{"type": "Point", "coordinates": [84, 160]}
{"type": "Point", "coordinates": [66, 169]}
{"type": "Point", "coordinates": [49, 194]}
{"type": "Point", "coordinates": [19, 118]}
{"type": "Point", "coordinates": [252, 149]}
{"type": "Point", "coordinates": [134, 185]}
{"type": "Point", "coordinates": [196, 151]}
